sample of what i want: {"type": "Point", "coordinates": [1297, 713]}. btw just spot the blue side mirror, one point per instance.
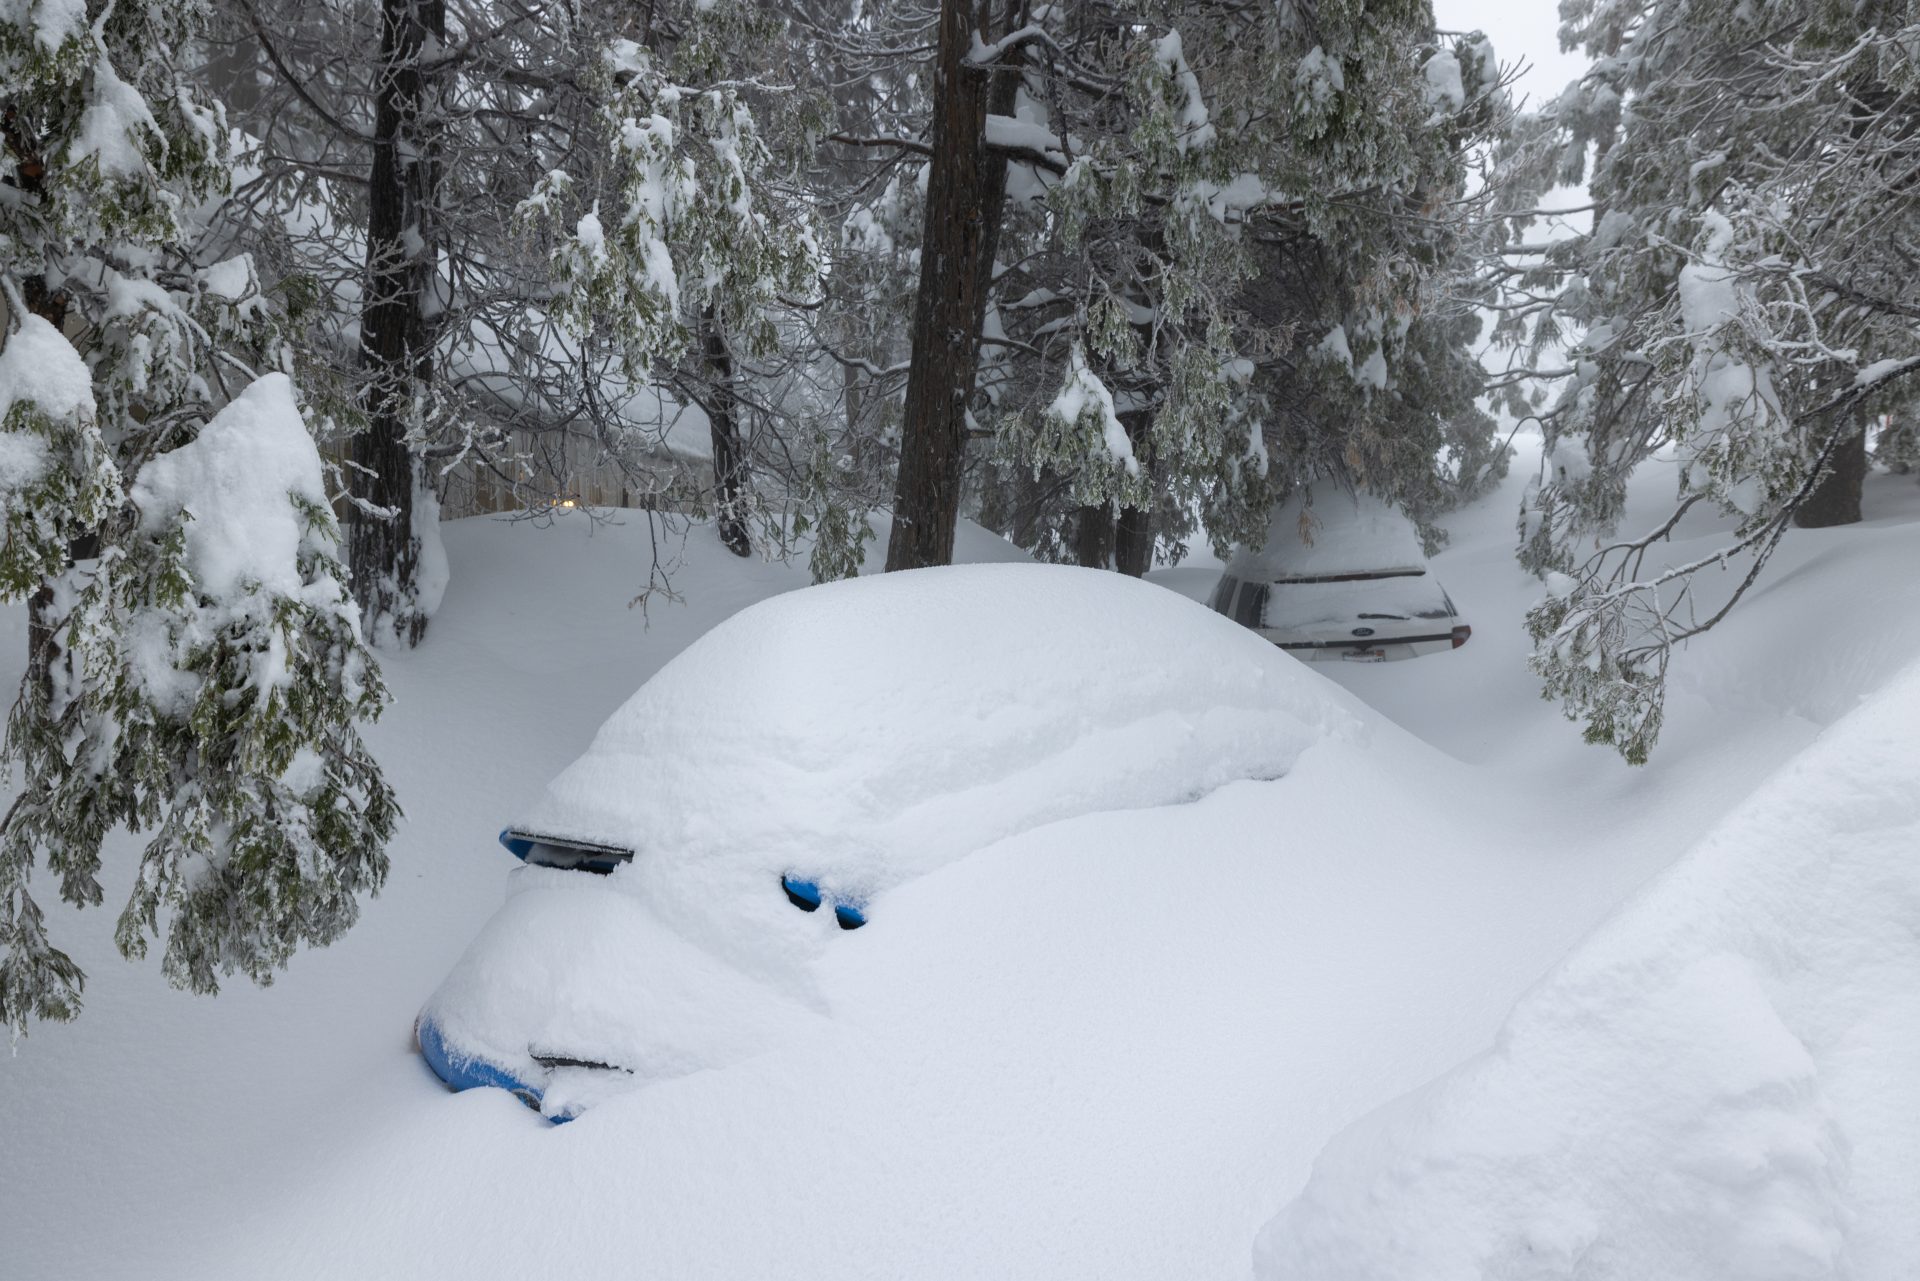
{"type": "Point", "coordinates": [804, 895]}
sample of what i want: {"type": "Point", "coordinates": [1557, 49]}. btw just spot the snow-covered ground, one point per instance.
{"type": "Point", "coordinates": [1110, 1046]}
{"type": "Point", "coordinates": [1719, 1083]}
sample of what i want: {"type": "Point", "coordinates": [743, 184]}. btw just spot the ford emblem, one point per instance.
{"type": "Point", "coordinates": [1363, 631]}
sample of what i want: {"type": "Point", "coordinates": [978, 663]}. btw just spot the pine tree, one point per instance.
{"type": "Point", "coordinates": [1201, 203]}
{"type": "Point", "coordinates": [868, 101]}
{"type": "Point", "coordinates": [679, 250]}
{"type": "Point", "coordinates": [966, 186]}
{"type": "Point", "coordinates": [1745, 299]}
{"type": "Point", "coordinates": [196, 671]}
{"type": "Point", "coordinates": [1248, 270]}
{"type": "Point", "coordinates": [393, 523]}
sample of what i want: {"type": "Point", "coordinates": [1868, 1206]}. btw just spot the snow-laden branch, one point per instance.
{"type": "Point", "coordinates": [899, 144]}
{"type": "Point", "coordinates": [985, 55]}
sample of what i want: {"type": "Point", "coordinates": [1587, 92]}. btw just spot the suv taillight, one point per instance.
{"type": "Point", "coordinates": [1460, 635]}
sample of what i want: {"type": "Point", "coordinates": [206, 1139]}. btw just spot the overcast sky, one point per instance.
{"type": "Point", "coordinates": [1526, 31]}
{"type": "Point", "coordinates": [1521, 30]}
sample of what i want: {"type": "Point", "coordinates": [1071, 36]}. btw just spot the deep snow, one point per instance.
{"type": "Point", "coordinates": [1719, 1083]}
{"type": "Point", "coordinates": [1329, 533]}
{"type": "Point", "coordinates": [1111, 1046]}
{"type": "Point", "coordinates": [854, 737]}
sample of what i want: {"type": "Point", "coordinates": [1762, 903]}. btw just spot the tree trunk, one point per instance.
{"type": "Point", "coordinates": [1836, 499]}
{"type": "Point", "coordinates": [1133, 532]}
{"type": "Point", "coordinates": [1093, 537]}
{"type": "Point", "coordinates": [729, 454]}
{"type": "Point", "coordinates": [1133, 541]}
{"type": "Point", "coordinates": [396, 326]}
{"type": "Point", "coordinates": [965, 189]}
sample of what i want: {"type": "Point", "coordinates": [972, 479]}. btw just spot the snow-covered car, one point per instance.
{"type": "Point", "coordinates": [750, 807]}
{"type": "Point", "coordinates": [1340, 576]}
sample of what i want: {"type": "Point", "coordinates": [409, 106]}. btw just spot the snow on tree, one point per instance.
{"type": "Point", "coordinates": [863, 101]}
{"type": "Point", "coordinates": [1179, 201]}
{"type": "Point", "coordinates": [195, 670]}
{"type": "Point", "coordinates": [393, 533]}
{"type": "Point", "coordinates": [1745, 298]}
{"type": "Point", "coordinates": [687, 234]}
{"type": "Point", "coordinates": [1251, 231]}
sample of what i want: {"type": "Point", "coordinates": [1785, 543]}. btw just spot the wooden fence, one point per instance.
{"type": "Point", "coordinates": [551, 470]}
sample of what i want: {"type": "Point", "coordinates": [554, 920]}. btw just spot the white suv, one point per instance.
{"type": "Point", "coordinates": [1340, 578]}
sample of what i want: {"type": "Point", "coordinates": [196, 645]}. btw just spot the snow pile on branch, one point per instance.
{"type": "Point", "coordinates": [55, 479]}
{"type": "Point", "coordinates": [1718, 1084]}
{"type": "Point", "coordinates": [54, 21]}
{"type": "Point", "coordinates": [1371, 374]}
{"type": "Point", "coordinates": [234, 482]}
{"type": "Point", "coordinates": [1335, 347]}
{"type": "Point", "coordinates": [1445, 92]}
{"type": "Point", "coordinates": [39, 365]}
{"type": "Point", "coordinates": [40, 371]}
{"type": "Point", "coordinates": [1319, 78]}
{"type": "Point", "coordinates": [1738, 414]}
{"type": "Point", "coordinates": [115, 125]}
{"type": "Point", "coordinates": [1086, 400]}
{"type": "Point", "coordinates": [1194, 129]}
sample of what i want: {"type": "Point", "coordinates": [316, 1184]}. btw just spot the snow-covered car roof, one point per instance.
{"type": "Point", "coordinates": [1329, 533]}
{"type": "Point", "coordinates": [853, 736]}
{"type": "Point", "coordinates": [866, 731]}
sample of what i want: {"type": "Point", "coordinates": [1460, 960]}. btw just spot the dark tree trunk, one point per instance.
{"type": "Point", "coordinates": [729, 453]}
{"type": "Point", "coordinates": [1028, 497]}
{"type": "Point", "coordinates": [1093, 537]}
{"type": "Point", "coordinates": [1836, 500]}
{"type": "Point", "coordinates": [396, 324]}
{"type": "Point", "coordinates": [1133, 541]}
{"type": "Point", "coordinates": [1133, 532]}
{"type": "Point", "coordinates": [965, 189]}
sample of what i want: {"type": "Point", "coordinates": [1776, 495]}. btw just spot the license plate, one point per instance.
{"type": "Point", "coordinates": [1365, 655]}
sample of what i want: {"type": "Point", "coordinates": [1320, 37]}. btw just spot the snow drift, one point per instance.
{"type": "Point", "coordinates": [855, 735]}
{"type": "Point", "coordinates": [1331, 534]}
{"type": "Point", "coordinates": [871, 730]}
{"type": "Point", "coordinates": [1718, 1084]}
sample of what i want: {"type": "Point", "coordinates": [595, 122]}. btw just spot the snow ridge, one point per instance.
{"type": "Point", "coordinates": [1716, 1085]}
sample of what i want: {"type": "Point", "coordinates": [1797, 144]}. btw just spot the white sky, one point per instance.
{"type": "Point", "coordinates": [1526, 31]}
{"type": "Point", "coordinates": [1521, 30]}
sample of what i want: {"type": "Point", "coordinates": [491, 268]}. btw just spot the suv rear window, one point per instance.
{"type": "Point", "coordinates": [1221, 602]}
{"type": "Point", "coordinates": [1251, 609]}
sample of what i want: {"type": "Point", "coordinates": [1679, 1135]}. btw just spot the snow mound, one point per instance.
{"type": "Point", "coordinates": [1718, 1084]}
{"type": "Point", "coordinates": [868, 731]}
{"type": "Point", "coordinates": [1332, 533]}
{"type": "Point", "coordinates": [570, 969]}
{"type": "Point", "coordinates": [235, 480]}
{"type": "Point", "coordinates": [856, 735]}
{"type": "Point", "coordinates": [38, 365]}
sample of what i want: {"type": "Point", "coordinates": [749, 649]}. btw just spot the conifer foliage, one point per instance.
{"type": "Point", "coordinates": [1746, 298]}
{"type": "Point", "coordinates": [196, 671]}
{"type": "Point", "coordinates": [1175, 258]}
